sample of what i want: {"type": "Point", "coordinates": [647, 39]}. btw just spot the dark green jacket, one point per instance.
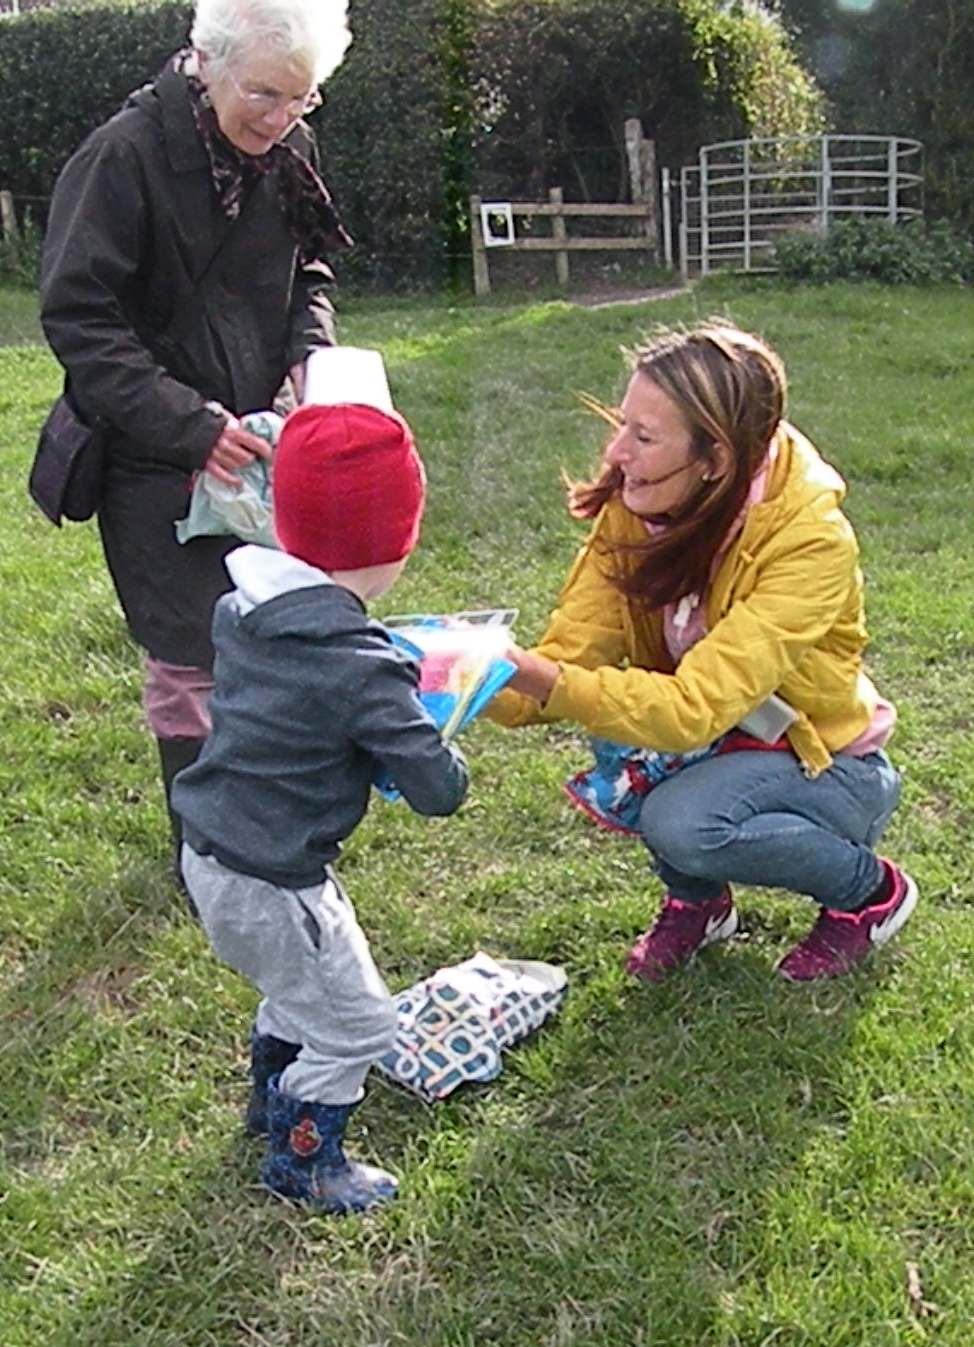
{"type": "Point", "coordinates": [134, 221]}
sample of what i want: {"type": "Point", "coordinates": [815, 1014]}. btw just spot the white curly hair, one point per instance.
{"type": "Point", "coordinates": [312, 34]}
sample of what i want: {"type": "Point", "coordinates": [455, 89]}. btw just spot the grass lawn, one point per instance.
{"type": "Point", "coordinates": [721, 1161]}
{"type": "Point", "coordinates": [19, 323]}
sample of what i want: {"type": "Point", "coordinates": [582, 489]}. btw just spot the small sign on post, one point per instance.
{"type": "Point", "coordinates": [497, 222]}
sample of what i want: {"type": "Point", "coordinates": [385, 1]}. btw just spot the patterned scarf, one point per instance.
{"type": "Point", "coordinates": [305, 200]}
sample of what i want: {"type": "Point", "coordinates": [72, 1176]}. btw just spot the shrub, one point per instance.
{"type": "Point", "coordinates": [384, 138]}
{"type": "Point", "coordinates": [555, 82]}
{"type": "Point", "coordinates": [875, 250]}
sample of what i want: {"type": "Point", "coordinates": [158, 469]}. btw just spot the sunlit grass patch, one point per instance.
{"type": "Point", "coordinates": [720, 1161]}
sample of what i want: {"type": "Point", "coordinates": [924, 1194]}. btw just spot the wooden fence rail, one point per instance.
{"type": "Point", "coordinates": [560, 242]}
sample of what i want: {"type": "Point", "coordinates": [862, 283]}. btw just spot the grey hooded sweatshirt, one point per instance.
{"type": "Point", "coordinates": [312, 701]}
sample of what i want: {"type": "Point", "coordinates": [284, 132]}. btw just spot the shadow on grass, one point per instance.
{"type": "Point", "coordinates": [614, 1187]}
{"type": "Point", "coordinates": [95, 951]}
{"type": "Point", "coordinates": [630, 1188]}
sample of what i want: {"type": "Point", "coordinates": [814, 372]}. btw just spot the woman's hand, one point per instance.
{"type": "Point", "coordinates": [234, 449]}
{"type": "Point", "coordinates": [535, 676]}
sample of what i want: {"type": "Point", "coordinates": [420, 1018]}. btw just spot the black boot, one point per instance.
{"type": "Point", "coordinates": [306, 1162]}
{"type": "Point", "coordinates": [174, 755]}
{"type": "Point", "coordinates": [268, 1057]}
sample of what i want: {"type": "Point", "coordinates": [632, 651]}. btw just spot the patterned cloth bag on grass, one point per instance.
{"type": "Point", "coordinates": [455, 1024]}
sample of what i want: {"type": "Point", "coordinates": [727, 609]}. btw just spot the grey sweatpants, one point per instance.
{"type": "Point", "coordinates": [306, 953]}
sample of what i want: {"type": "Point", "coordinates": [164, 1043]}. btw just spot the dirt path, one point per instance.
{"type": "Point", "coordinates": [602, 299]}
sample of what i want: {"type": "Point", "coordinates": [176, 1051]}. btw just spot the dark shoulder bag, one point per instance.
{"type": "Point", "coordinates": [69, 464]}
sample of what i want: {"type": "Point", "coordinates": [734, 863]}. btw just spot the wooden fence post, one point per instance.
{"type": "Point", "coordinates": [634, 138]}
{"type": "Point", "coordinates": [651, 186]}
{"type": "Point", "coordinates": [8, 218]}
{"type": "Point", "coordinates": [643, 186]}
{"type": "Point", "coordinates": [481, 273]}
{"type": "Point", "coordinates": [559, 233]}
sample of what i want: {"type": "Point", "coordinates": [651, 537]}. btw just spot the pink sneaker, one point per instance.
{"type": "Point", "coordinates": [839, 940]}
{"type": "Point", "coordinates": [679, 931]}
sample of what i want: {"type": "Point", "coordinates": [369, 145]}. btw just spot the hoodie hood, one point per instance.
{"type": "Point", "coordinates": [261, 574]}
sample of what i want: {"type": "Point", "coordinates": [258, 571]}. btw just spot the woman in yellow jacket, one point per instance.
{"type": "Point", "coordinates": [717, 604]}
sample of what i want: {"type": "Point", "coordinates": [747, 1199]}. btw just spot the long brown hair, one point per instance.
{"type": "Point", "coordinates": [730, 388]}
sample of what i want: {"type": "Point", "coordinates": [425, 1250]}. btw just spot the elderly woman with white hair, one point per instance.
{"type": "Point", "coordinates": [184, 279]}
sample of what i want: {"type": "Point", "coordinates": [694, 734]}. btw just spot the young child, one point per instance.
{"type": "Point", "coordinates": [311, 701]}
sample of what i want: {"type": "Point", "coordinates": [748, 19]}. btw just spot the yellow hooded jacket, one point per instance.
{"type": "Point", "coordinates": [784, 614]}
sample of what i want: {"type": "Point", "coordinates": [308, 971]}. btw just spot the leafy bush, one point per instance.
{"type": "Point", "coordinates": [555, 82]}
{"type": "Point", "coordinates": [875, 250]}
{"type": "Point", "coordinates": [384, 135]}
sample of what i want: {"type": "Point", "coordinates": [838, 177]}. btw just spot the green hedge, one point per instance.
{"type": "Point", "coordinates": [384, 142]}
{"type": "Point", "coordinates": [438, 99]}
{"type": "Point", "coordinates": [62, 72]}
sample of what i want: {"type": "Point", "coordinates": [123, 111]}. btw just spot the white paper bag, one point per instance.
{"type": "Point", "coordinates": [346, 374]}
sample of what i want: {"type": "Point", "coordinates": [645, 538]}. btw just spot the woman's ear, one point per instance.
{"type": "Point", "coordinates": [721, 458]}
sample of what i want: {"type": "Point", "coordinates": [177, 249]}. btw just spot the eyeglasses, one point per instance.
{"type": "Point", "coordinates": [265, 102]}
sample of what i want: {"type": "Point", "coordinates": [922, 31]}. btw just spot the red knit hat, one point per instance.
{"type": "Point", "coordinates": [348, 486]}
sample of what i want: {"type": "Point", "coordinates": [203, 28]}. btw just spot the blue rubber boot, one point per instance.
{"type": "Point", "coordinates": [307, 1164]}
{"type": "Point", "coordinates": [268, 1057]}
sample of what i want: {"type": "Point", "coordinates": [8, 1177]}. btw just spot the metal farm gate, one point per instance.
{"type": "Point", "coordinates": [743, 195]}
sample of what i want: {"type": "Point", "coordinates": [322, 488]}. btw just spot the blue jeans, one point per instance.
{"type": "Point", "coordinates": [753, 817]}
